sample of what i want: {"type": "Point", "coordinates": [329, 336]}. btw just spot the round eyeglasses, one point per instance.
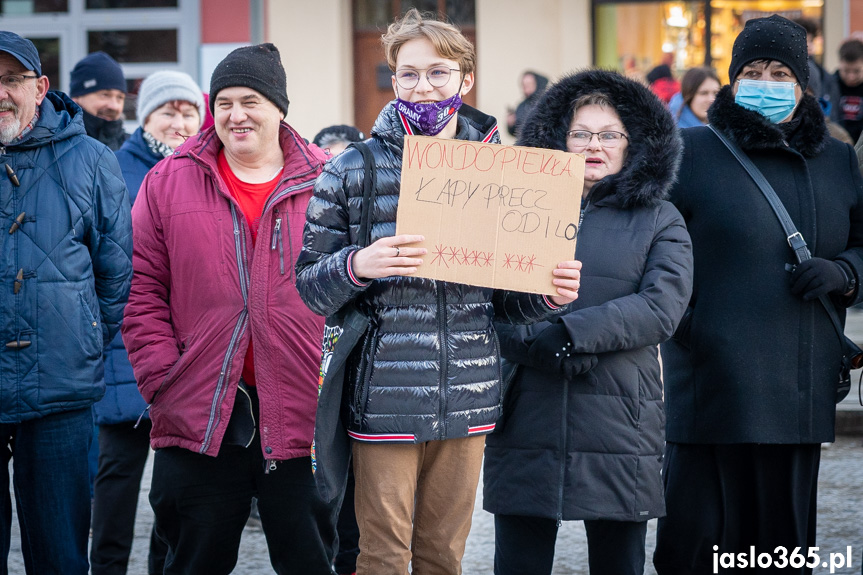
{"type": "Point", "coordinates": [607, 139]}
{"type": "Point", "coordinates": [437, 77]}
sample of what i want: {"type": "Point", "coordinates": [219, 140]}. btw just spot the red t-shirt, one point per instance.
{"type": "Point", "coordinates": [251, 198]}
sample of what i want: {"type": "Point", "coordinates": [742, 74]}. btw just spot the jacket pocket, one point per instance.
{"type": "Point", "coordinates": [91, 340]}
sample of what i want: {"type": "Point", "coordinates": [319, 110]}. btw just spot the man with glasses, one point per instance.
{"type": "Point", "coordinates": [66, 249]}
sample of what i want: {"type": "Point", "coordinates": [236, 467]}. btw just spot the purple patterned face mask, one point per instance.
{"type": "Point", "coordinates": [430, 117]}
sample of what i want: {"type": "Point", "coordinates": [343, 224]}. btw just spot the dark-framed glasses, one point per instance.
{"type": "Point", "coordinates": [14, 81]}
{"type": "Point", "coordinates": [607, 139]}
{"type": "Point", "coordinates": [437, 76]}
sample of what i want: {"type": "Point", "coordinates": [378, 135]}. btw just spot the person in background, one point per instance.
{"type": "Point", "coordinates": [223, 349]}
{"type": "Point", "coordinates": [822, 84]}
{"type": "Point", "coordinates": [597, 459]}
{"type": "Point", "coordinates": [334, 139]}
{"type": "Point", "coordinates": [698, 89]}
{"type": "Point", "coordinates": [66, 249]}
{"type": "Point", "coordinates": [532, 86]}
{"type": "Point", "coordinates": [849, 78]}
{"type": "Point", "coordinates": [170, 109]}
{"type": "Point", "coordinates": [751, 373]}
{"type": "Point", "coordinates": [418, 421]}
{"type": "Point", "coordinates": [662, 82]}
{"type": "Point", "coordinates": [97, 85]}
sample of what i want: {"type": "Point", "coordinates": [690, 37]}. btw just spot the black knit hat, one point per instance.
{"type": "Point", "coordinates": [257, 67]}
{"type": "Point", "coordinates": [772, 38]}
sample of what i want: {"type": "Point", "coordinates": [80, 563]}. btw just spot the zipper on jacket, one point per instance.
{"type": "Point", "coordinates": [365, 376]}
{"type": "Point", "coordinates": [277, 239]}
{"type": "Point", "coordinates": [239, 328]}
{"type": "Point", "coordinates": [251, 413]}
{"type": "Point", "coordinates": [563, 457]}
{"type": "Point", "coordinates": [269, 465]}
{"type": "Point", "coordinates": [441, 305]}
{"type": "Point", "coordinates": [140, 417]}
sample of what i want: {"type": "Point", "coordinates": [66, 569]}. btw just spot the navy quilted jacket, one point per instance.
{"type": "Point", "coordinates": [66, 265]}
{"type": "Point", "coordinates": [428, 367]}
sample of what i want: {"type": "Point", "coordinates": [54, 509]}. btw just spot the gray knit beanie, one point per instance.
{"type": "Point", "coordinates": [160, 88]}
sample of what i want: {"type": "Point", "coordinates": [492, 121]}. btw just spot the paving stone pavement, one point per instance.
{"type": "Point", "coordinates": [840, 516]}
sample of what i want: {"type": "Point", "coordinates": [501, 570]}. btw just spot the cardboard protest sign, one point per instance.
{"type": "Point", "coordinates": [494, 216]}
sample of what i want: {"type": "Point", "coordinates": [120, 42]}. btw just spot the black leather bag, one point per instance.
{"type": "Point", "coordinates": [852, 355]}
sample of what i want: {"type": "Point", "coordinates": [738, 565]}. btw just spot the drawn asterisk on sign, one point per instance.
{"type": "Point", "coordinates": [439, 255]}
{"type": "Point", "coordinates": [531, 263]}
{"type": "Point", "coordinates": [510, 259]}
{"type": "Point", "coordinates": [453, 254]}
{"type": "Point", "coordinates": [472, 258]}
{"type": "Point", "coordinates": [487, 258]}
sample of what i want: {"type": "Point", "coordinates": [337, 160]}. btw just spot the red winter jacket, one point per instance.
{"type": "Point", "coordinates": [200, 291]}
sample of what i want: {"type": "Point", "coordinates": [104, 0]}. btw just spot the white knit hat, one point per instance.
{"type": "Point", "coordinates": [160, 88]}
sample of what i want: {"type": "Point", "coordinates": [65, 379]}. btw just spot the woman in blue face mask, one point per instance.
{"type": "Point", "coordinates": [751, 374]}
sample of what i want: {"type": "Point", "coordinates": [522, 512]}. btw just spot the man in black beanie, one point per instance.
{"type": "Point", "coordinates": [751, 374]}
{"type": "Point", "coordinates": [223, 348]}
{"type": "Point", "coordinates": [99, 87]}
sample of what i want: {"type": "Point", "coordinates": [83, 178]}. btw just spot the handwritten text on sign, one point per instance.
{"type": "Point", "coordinates": [492, 215]}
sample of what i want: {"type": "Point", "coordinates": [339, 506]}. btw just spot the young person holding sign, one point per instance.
{"type": "Point", "coordinates": [425, 382]}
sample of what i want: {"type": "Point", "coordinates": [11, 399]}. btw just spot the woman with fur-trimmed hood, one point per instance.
{"type": "Point", "coordinates": [581, 435]}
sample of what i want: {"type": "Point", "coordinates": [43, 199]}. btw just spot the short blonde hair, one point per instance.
{"type": "Point", "coordinates": [448, 40]}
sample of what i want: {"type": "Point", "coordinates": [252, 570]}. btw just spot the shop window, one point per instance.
{"type": "Point", "coordinates": [635, 36]}
{"type": "Point", "coordinates": [135, 45]}
{"type": "Point", "coordinates": [26, 7]}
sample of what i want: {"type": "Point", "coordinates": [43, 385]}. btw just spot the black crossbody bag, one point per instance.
{"type": "Point", "coordinates": [852, 355]}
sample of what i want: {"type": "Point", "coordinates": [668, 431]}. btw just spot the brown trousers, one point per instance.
{"type": "Point", "coordinates": [414, 504]}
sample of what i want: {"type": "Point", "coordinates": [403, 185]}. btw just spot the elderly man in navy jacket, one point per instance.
{"type": "Point", "coordinates": [65, 276]}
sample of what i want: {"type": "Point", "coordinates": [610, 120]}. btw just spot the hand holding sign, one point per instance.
{"type": "Point", "coordinates": [388, 257]}
{"type": "Point", "coordinates": [567, 278]}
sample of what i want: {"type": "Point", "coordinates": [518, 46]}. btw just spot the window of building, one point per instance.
{"type": "Point", "coordinates": [19, 7]}
{"type": "Point", "coordinates": [142, 35]}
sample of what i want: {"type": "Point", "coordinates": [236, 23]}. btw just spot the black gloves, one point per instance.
{"type": "Point", "coordinates": [816, 277]}
{"type": "Point", "coordinates": [551, 351]}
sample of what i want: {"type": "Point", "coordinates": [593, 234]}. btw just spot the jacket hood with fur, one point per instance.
{"type": "Point", "coordinates": [653, 154]}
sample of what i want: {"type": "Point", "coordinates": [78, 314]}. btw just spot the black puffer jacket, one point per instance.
{"type": "Point", "coordinates": [591, 447]}
{"type": "Point", "coordinates": [429, 365]}
{"type": "Point", "coordinates": [758, 364]}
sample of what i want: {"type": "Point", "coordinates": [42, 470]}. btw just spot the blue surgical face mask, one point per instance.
{"type": "Point", "coordinates": [773, 100]}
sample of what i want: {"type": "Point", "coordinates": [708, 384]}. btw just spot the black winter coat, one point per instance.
{"type": "Point", "coordinates": [754, 363]}
{"type": "Point", "coordinates": [429, 365]}
{"type": "Point", "coordinates": [591, 447]}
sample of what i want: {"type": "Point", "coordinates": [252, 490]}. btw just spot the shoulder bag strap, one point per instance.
{"type": "Point", "coordinates": [794, 238]}
{"type": "Point", "coordinates": [364, 236]}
